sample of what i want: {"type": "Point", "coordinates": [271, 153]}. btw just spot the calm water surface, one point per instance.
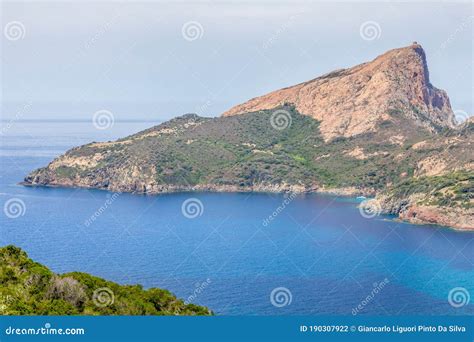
{"type": "Point", "coordinates": [320, 248]}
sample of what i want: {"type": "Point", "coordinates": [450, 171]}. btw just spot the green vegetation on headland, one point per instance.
{"type": "Point", "coordinates": [455, 189]}
{"type": "Point", "coordinates": [379, 128]}
{"type": "Point", "coordinates": [246, 151]}
{"type": "Point", "coordinates": [29, 288]}
{"type": "Point", "coordinates": [250, 152]}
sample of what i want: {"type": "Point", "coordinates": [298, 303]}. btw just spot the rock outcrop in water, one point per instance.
{"type": "Point", "coordinates": [377, 128]}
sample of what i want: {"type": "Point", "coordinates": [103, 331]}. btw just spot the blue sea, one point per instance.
{"type": "Point", "coordinates": [316, 255]}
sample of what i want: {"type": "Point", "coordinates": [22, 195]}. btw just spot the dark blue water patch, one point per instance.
{"type": "Point", "coordinates": [322, 250]}
{"type": "Point", "coordinates": [318, 247]}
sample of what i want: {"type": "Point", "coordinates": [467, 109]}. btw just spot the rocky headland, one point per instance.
{"type": "Point", "coordinates": [377, 129]}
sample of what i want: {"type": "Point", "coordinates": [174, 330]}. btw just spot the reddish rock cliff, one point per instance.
{"type": "Point", "coordinates": [352, 101]}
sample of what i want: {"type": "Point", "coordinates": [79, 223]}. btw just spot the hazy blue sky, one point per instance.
{"type": "Point", "coordinates": [73, 59]}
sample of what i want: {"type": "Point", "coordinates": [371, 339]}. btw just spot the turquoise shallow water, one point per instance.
{"type": "Point", "coordinates": [326, 256]}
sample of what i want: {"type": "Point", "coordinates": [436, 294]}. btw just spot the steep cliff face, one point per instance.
{"type": "Point", "coordinates": [353, 101]}
{"type": "Point", "coordinates": [372, 129]}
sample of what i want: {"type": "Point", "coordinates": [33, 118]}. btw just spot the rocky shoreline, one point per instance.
{"type": "Point", "coordinates": [263, 188]}
{"type": "Point", "coordinates": [379, 129]}
{"type": "Point", "coordinates": [408, 209]}
{"type": "Point", "coordinates": [457, 218]}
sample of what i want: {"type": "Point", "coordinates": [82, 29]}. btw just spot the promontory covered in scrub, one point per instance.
{"type": "Point", "coordinates": [379, 128]}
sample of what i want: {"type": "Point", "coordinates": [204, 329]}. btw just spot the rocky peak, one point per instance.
{"type": "Point", "coordinates": [352, 101]}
